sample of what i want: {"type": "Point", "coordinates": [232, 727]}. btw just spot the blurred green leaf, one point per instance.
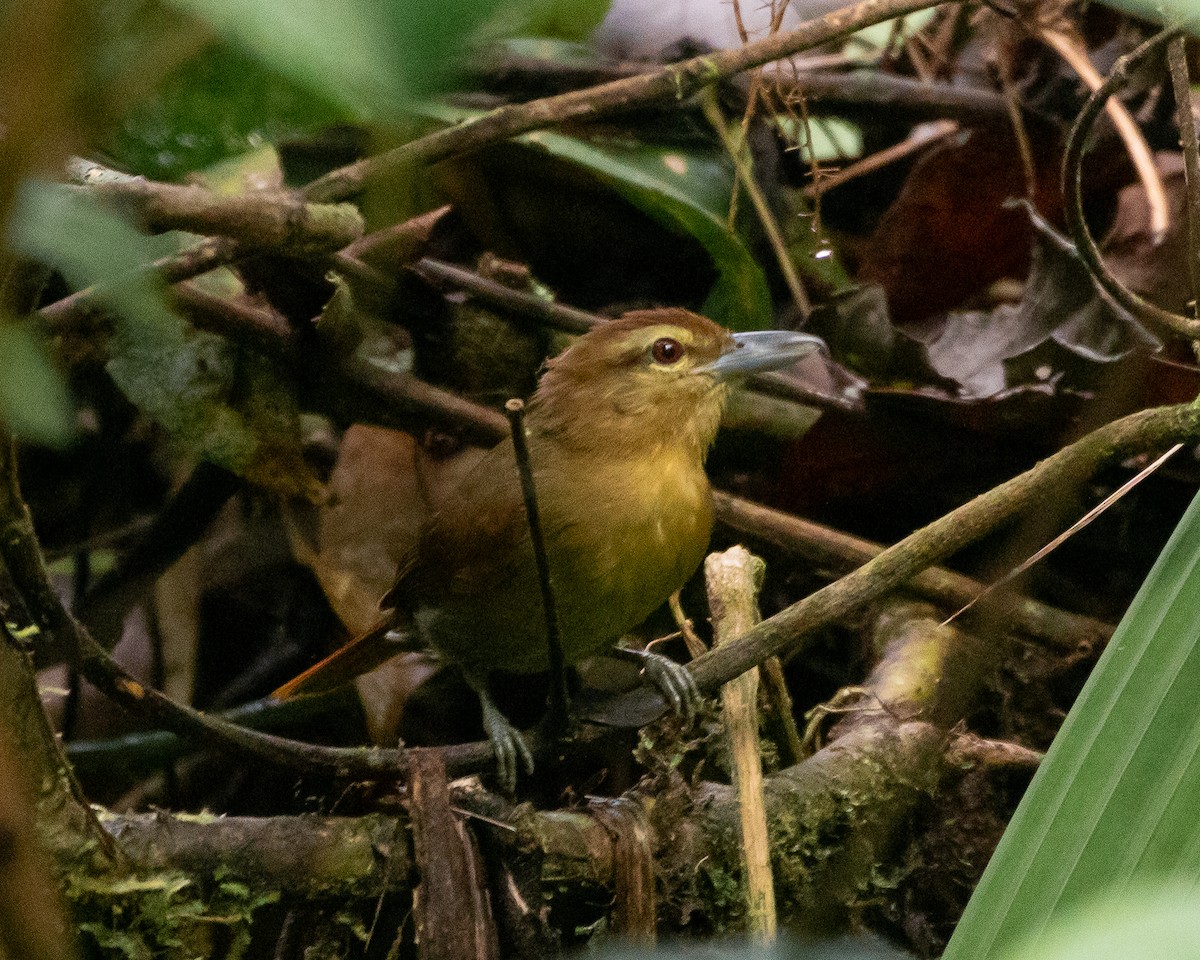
{"type": "Point", "coordinates": [220, 104]}
{"type": "Point", "coordinates": [86, 243]}
{"type": "Point", "coordinates": [1136, 924]}
{"type": "Point", "coordinates": [1114, 803]}
{"type": "Point", "coordinates": [370, 55]}
{"type": "Point", "coordinates": [34, 403]}
{"type": "Point", "coordinates": [822, 139]}
{"type": "Point", "coordinates": [555, 19]}
{"type": "Point", "coordinates": [182, 378]}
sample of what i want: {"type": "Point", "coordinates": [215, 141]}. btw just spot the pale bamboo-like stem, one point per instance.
{"type": "Point", "coordinates": [733, 579]}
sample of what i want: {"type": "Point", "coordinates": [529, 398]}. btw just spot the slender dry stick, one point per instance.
{"type": "Point", "coordinates": [783, 725]}
{"type": "Point", "coordinates": [734, 579]}
{"type": "Point", "coordinates": [496, 294]}
{"type": "Point", "coordinates": [696, 647]}
{"type": "Point", "coordinates": [1182, 85]}
{"type": "Point", "coordinates": [1073, 195]}
{"type": "Point", "coordinates": [515, 409]}
{"type": "Point", "coordinates": [1016, 120]}
{"type": "Point", "coordinates": [928, 134]}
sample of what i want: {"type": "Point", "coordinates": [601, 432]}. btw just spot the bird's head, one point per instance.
{"type": "Point", "coordinates": [653, 377]}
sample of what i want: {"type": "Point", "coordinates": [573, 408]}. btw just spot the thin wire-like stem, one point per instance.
{"type": "Point", "coordinates": [1182, 85]}
{"type": "Point", "coordinates": [1073, 195]}
{"type": "Point", "coordinates": [1070, 47]}
{"type": "Point", "coordinates": [515, 409]}
{"type": "Point", "coordinates": [1066, 534]}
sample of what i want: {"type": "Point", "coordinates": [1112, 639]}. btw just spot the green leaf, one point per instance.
{"type": "Point", "coordinates": [367, 54]}
{"type": "Point", "coordinates": [571, 20]}
{"type": "Point", "coordinates": [1136, 924]}
{"type": "Point", "coordinates": [34, 403]}
{"type": "Point", "coordinates": [685, 190]}
{"type": "Point", "coordinates": [689, 191]}
{"type": "Point", "coordinates": [1114, 803]}
{"type": "Point", "coordinates": [86, 243]}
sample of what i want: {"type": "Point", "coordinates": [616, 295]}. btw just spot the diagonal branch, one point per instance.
{"type": "Point", "coordinates": [674, 82]}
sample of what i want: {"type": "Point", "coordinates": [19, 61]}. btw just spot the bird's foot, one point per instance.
{"type": "Point", "coordinates": [507, 743]}
{"type": "Point", "coordinates": [673, 680]}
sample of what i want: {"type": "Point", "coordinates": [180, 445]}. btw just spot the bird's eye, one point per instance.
{"type": "Point", "coordinates": [666, 350]}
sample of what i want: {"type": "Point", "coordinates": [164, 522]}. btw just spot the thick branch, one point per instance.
{"type": "Point", "coordinates": [304, 857]}
{"type": "Point", "coordinates": [271, 219]}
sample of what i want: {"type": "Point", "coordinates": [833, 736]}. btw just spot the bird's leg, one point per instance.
{"type": "Point", "coordinates": [673, 680]}
{"type": "Point", "coordinates": [507, 742]}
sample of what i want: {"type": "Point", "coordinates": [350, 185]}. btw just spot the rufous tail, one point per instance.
{"type": "Point", "coordinates": [361, 655]}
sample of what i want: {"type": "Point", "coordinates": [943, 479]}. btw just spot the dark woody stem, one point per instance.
{"type": "Point", "coordinates": [515, 409]}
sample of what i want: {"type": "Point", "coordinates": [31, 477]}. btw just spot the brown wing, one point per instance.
{"type": "Point", "coordinates": [470, 544]}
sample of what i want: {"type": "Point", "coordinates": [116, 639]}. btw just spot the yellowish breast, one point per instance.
{"type": "Point", "coordinates": [642, 534]}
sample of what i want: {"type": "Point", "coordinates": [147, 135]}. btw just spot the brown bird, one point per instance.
{"type": "Point", "coordinates": [617, 430]}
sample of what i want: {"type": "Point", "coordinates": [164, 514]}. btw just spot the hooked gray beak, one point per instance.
{"type": "Point", "coordinates": [760, 351]}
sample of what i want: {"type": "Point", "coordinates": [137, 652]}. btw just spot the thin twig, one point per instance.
{"type": "Point", "coordinates": [515, 409]}
{"type": "Point", "coordinates": [1182, 85]}
{"type": "Point", "coordinates": [1016, 120]}
{"type": "Point", "coordinates": [1073, 195]}
{"type": "Point", "coordinates": [920, 138]}
{"type": "Point", "coordinates": [740, 155]}
{"type": "Point", "coordinates": [496, 294]}
{"type": "Point", "coordinates": [696, 646]}
{"type": "Point", "coordinates": [782, 723]}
